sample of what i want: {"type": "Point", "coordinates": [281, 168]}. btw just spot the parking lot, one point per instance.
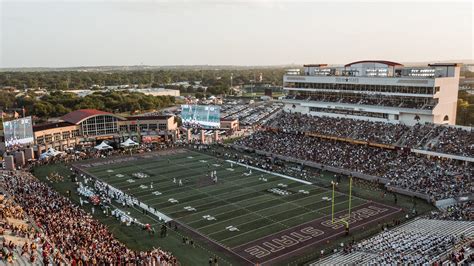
{"type": "Point", "coordinates": [250, 114]}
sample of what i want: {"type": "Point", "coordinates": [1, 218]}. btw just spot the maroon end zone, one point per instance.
{"type": "Point", "coordinates": [293, 241]}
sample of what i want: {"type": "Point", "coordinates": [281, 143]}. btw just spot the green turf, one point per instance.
{"type": "Point", "coordinates": [236, 200]}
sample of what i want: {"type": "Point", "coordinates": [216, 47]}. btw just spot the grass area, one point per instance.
{"type": "Point", "coordinates": [237, 199]}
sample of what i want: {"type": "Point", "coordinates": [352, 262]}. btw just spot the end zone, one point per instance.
{"type": "Point", "coordinates": [293, 241]}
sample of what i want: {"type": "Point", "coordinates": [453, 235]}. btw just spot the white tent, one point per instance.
{"type": "Point", "coordinates": [103, 146]}
{"type": "Point", "coordinates": [50, 153]}
{"type": "Point", "coordinates": [128, 143]}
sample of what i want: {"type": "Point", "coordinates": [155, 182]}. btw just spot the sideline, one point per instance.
{"type": "Point", "coordinates": [272, 173]}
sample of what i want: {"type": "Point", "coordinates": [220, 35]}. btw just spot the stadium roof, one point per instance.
{"type": "Point", "coordinates": [389, 63]}
{"type": "Point", "coordinates": [78, 116]}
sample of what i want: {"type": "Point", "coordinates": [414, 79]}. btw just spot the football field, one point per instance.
{"type": "Point", "coordinates": [258, 216]}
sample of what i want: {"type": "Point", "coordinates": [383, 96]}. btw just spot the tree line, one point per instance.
{"type": "Point", "coordinates": [465, 112]}
{"type": "Point", "coordinates": [58, 103]}
{"type": "Point", "coordinates": [64, 80]}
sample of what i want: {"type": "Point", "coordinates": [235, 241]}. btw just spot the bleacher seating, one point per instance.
{"type": "Point", "coordinates": [422, 241]}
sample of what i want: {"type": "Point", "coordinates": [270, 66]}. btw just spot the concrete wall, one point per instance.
{"type": "Point", "coordinates": [19, 158]}
{"type": "Point", "coordinates": [29, 154]}
{"type": "Point", "coordinates": [448, 99]}
{"type": "Point", "coordinates": [9, 162]}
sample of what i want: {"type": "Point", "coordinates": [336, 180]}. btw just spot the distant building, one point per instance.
{"type": "Point", "coordinates": [157, 92]}
{"type": "Point", "coordinates": [375, 90]}
{"type": "Point", "coordinates": [230, 124]}
{"type": "Point", "coordinates": [146, 91]}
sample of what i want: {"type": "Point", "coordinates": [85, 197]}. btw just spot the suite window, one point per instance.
{"type": "Point", "coordinates": [66, 135]}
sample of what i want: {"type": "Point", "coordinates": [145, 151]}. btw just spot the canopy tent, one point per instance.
{"type": "Point", "coordinates": [103, 146]}
{"type": "Point", "coordinates": [50, 153]}
{"type": "Point", "coordinates": [128, 143]}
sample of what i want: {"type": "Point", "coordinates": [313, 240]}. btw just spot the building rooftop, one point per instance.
{"type": "Point", "coordinates": [378, 68]}
{"type": "Point", "coordinates": [315, 65]}
{"type": "Point", "coordinates": [78, 116]}
{"type": "Point", "coordinates": [388, 63]}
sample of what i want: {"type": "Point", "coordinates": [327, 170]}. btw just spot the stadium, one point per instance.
{"type": "Point", "coordinates": [360, 164]}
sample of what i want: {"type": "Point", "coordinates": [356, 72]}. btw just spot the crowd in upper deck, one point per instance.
{"type": "Point", "coordinates": [431, 137]}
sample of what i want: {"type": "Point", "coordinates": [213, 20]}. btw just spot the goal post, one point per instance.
{"type": "Point", "coordinates": [345, 221]}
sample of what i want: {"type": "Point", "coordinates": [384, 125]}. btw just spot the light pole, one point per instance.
{"type": "Point", "coordinates": [334, 184]}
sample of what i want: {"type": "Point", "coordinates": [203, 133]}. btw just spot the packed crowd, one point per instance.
{"type": "Point", "coordinates": [464, 255]}
{"type": "Point", "coordinates": [21, 242]}
{"type": "Point", "coordinates": [437, 178]}
{"type": "Point", "coordinates": [79, 237]}
{"type": "Point", "coordinates": [407, 248]}
{"type": "Point", "coordinates": [463, 211]}
{"type": "Point", "coordinates": [432, 137]}
{"type": "Point", "coordinates": [455, 141]}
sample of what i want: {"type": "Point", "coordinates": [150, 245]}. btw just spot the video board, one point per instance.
{"type": "Point", "coordinates": [18, 132]}
{"type": "Point", "coordinates": [205, 116]}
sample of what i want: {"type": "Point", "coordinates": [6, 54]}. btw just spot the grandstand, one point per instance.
{"type": "Point", "coordinates": [375, 90]}
{"type": "Point", "coordinates": [422, 241]}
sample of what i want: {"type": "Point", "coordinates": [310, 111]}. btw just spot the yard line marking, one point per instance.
{"type": "Point", "coordinates": [225, 206]}
{"type": "Point", "coordinates": [237, 187]}
{"type": "Point", "coordinates": [271, 224]}
{"type": "Point", "coordinates": [236, 193]}
{"type": "Point", "coordinates": [216, 192]}
{"type": "Point", "coordinates": [293, 179]}
{"type": "Point", "coordinates": [211, 196]}
{"type": "Point", "coordinates": [256, 203]}
{"type": "Point", "coordinates": [264, 209]}
{"type": "Point", "coordinates": [235, 205]}
{"type": "Point", "coordinates": [268, 172]}
{"type": "Point", "coordinates": [225, 239]}
{"type": "Point", "coordinates": [173, 185]}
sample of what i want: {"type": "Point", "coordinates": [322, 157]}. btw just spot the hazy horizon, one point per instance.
{"type": "Point", "coordinates": [255, 33]}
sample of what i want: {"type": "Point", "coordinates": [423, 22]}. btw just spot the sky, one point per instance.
{"type": "Point", "coordinates": [261, 32]}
